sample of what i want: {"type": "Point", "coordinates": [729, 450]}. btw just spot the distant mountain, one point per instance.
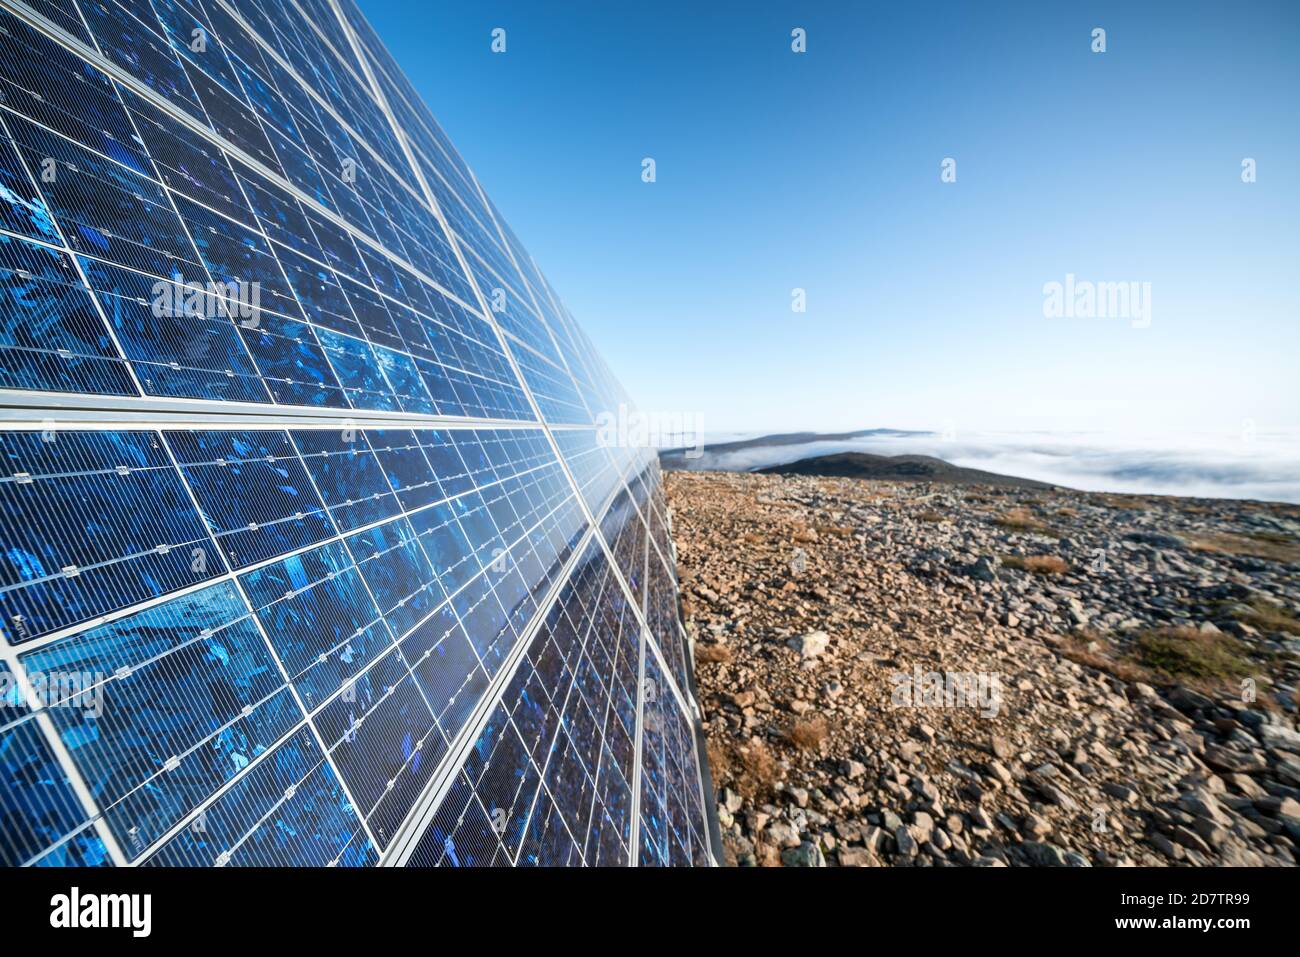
{"type": "Point", "coordinates": [897, 468]}
{"type": "Point", "coordinates": [677, 458]}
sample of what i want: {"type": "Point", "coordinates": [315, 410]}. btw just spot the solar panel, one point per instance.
{"type": "Point", "coordinates": [314, 552]}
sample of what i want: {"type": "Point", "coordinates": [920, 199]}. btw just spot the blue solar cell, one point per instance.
{"type": "Point", "coordinates": [320, 619]}
{"type": "Point", "coordinates": [37, 804]}
{"type": "Point", "coordinates": [384, 741]}
{"type": "Point", "coordinates": [51, 337]}
{"type": "Point", "coordinates": [92, 522]}
{"type": "Point", "coordinates": [181, 341]}
{"type": "Point", "coordinates": [254, 492]}
{"type": "Point", "coordinates": [107, 208]}
{"type": "Point", "coordinates": [358, 371]}
{"type": "Point", "coordinates": [185, 695]}
{"type": "Point", "coordinates": [42, 80]}
{"type": "Point", "coordinates": [22, 210]}
{"type": "Point", "coordinates": [346, 475]}
{"type": "Point", "coordinates": [292, 362]}
{"type": "Point", "coordinates": [399, 575]}
{"type": "Point", "coordinates": [409, 473]}
{"type": "Point", "coordinates": [289, 809]}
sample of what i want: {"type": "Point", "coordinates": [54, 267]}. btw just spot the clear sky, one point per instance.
{"type": "Point", "coordinates": [925, 301]}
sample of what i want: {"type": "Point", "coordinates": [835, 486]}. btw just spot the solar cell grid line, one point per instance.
{"type": "Point", "coordinates": [234, 820]}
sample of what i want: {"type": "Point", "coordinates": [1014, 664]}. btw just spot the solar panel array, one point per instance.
{"type": "Point", "coordinates": [311, 549]}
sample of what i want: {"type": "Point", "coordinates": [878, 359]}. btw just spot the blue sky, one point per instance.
{"type": "Point", "coordinates": [821, 171]}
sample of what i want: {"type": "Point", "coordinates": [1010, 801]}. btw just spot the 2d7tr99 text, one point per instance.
{"type": "Point", "coordinates": [1197, 899]}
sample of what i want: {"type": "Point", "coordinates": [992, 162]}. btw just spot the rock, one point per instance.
{"type": "Point", "coordinates": [1189, 701]}
{"type": "Point", "coordinates": [984, 568]}
{"type": "Point", "coordinates": [1121, 792]}
{"type": "Point", "coordinates": [1243, 784]}
{"type": "Point", "coordinates": [1189, 839]}
{"type": "Point", "coordinates": [905, 843]}
{"type": "Point", "coordinates": [1001, 748]}
{"type": "Point", "coordinates": [856, 857]}
{"type": "Point", "coordinates": [1155, 539]}
{"type": "Point", "coordinates": [1201, 803]}
{"type": "Point", "coordinates": [1230, 759]}
{"type": "Point", "coordinates": [922, 827]}
{"type": "Point", "coordinates": [782, 834]}
{"type": "Point", "coordinates": [806, 854]}
{"type": "Point", "coordinates": [873, 838]}
{"type": "Point", "coordinates": [853, 769]}
{"type": "Point", "coordinates": [1166, 847]}
{"type": "Point", "coordinates": [1033, 827]}
{"type": "Point", "coordinates": [812, 645]}
{"type": "Point", "coordinates": [1279, 806]}
{"type": "Point", "coordinates": [1288, 770]}
{"type": "Point", "coordinates": [1280, 738]}
{"type": "Point", "coordinates": [1043, 855]}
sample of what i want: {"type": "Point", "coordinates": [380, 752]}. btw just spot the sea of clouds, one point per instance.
{"type": "Point", "coordinates": [1265, 466]}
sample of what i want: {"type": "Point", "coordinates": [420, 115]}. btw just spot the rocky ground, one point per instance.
{"type": "Point", "coordinates": [908, 674]}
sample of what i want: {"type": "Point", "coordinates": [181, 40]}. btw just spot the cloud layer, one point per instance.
{"type": "Point", "coordinates": [1262, 467]}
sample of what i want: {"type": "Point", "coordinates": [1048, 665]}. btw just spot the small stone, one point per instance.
{"type": "Point", "coordinates": [856, 857]}
{"type": "Point", "coordinates": [1033, 827]}
{"type": "Point", "coordinates": [1001, 748]}
{"type": "Point", "coordinates": [922, 827]}
{"type": "Point", "coordinates": [1043, 855]}
{"type": "Point", "coordinates": [783, 834]}
{"type": "Point", "coordinates": [812, 645]}
{"type": "Point", "coordinates": [806, 854]}
{"type": "Point", "coordinates": [905, 842]}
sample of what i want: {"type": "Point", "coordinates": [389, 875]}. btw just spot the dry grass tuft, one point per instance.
{"type": "Point", "coordinates": [1037, 564]}
{"type": "Point", "coordinates": [750, 770]}
{"type": "Point", "coordinates": [1022, 520]}
{"type": "Point", "coordinates": [1269, 617]}
{"type": "Point", "coordinates": [1128, 502]}
{"type": "Point", "coordinates": [712, 654]}
{"type": "Point", "coordinates": [1276, 548]}
{"type": "Point", "coordinates": [843, 531]}
{"type": "Point", "coordinates": [808, 733]}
